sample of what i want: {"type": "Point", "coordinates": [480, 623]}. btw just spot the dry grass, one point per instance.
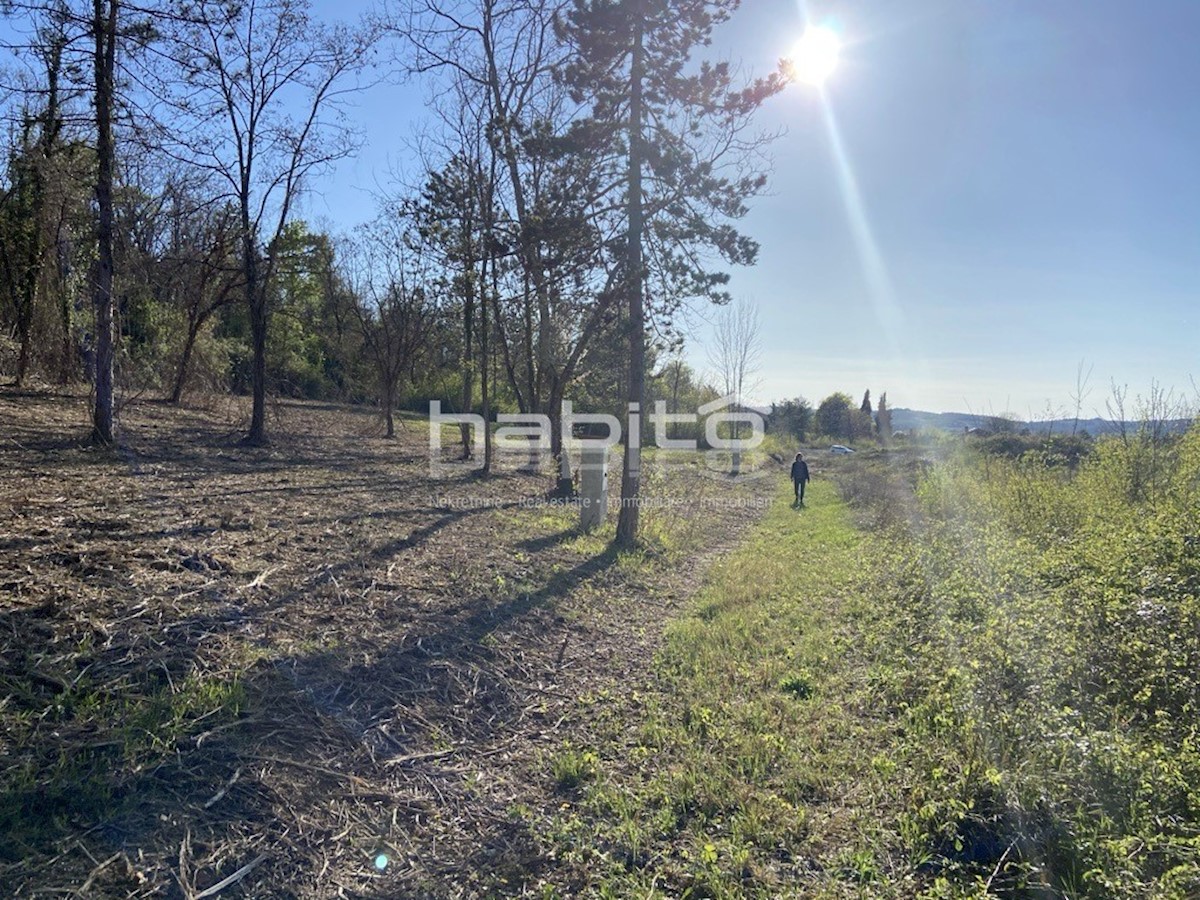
{"type": "Point", "coordinates": [253, 671]}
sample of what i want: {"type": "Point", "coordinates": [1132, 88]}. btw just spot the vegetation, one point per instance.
{"type": "Point", "coordinates": [837, 417]}
{"type": "Point", "coordinates": [958, 671]}
{"type": "Point", "coordinates": [309, 654]}
{"type": "Point", "coordinates": [731, 773]}
{"type": "Point", "coordinates": [1048, 685]}
{"type": "Point", "coordinates": [986, 685]}
{"type": "Point", "coordinates": [970, 666]}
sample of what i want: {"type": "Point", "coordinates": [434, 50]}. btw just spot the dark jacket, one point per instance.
{"type": "Point", "coordinates": [799, 471]}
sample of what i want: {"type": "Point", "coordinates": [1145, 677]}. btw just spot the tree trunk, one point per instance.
{"type": "Point", "coordinates": [485, 343]}
{"type": "Point", "coordinates": [389, 401]}
{"type": "Point", "coordinates": [24, 335]}
{"type": "Point", "coordinates": [68, 361]}
{"type": "Point", "coordinates": [532, 394]}
{"type": "Point", "coordinates": [736, 454]}
{"type": "Point", "coordinates": [631, 471]}
{"type": "Point", "coordinates": [24, 286]}
{"type": "Point", "coordinates": [468, 373]}
{"type": "Point", "coordinates": [564, 485]}
{"type": "Point", "coordinates": [105, 26]}
{"type": "Point", "coordinates": [256, 298]}
{"type": "Point", "coordinates": [189, 344]}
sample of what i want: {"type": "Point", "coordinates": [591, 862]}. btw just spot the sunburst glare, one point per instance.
{"type": "Point", "coordinates": [816, 55]}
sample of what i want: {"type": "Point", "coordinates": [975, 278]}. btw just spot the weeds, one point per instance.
{"type": "Point", "coordinates": [571, 767]}
{"type": "Point", "coordinates": [74, 760]}
{"type": "Point", "coordinates": [992, 691]}
{"type": "Point", "coordinates": [1057, 748]}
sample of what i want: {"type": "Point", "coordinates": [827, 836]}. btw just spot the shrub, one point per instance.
{"type": "Point", "coordinates": [1061, 746]}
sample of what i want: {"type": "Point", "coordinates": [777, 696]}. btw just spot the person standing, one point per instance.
{"type": "Point", "coordinates": [799, 477]}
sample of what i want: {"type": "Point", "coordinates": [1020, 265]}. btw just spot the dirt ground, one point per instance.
{"type": "Point", "coordinates": [308, 670]}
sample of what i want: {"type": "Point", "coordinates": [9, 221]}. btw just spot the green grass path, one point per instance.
{"type": "Point", "coordinates": [755, 763]}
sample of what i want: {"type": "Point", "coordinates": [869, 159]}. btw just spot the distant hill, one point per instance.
{"type": "Point", "coordinates": [912, 419]}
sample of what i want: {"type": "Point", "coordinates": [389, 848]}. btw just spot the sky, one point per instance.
{"type": "Point", "coordinates": [987, 198]}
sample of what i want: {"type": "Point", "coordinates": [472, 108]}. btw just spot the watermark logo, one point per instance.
{"type": "Point", "coordinates": [730, 431]}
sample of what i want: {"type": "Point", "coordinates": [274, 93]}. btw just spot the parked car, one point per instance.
{"type": "Point", "coordinates": [838, 448]}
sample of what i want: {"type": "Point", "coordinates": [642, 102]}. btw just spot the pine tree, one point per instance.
{"type": "Point", "coordinates": [673, 131]}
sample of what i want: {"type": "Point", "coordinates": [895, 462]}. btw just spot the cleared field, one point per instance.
{"type": "Point", "coordinates": [309, 659]}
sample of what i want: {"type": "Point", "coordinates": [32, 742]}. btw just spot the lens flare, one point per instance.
{"type": "Point", "coordinates": [816, 55]}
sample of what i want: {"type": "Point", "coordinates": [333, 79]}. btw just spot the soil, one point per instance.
{"type": "Point", "coordinates": [312, 669]}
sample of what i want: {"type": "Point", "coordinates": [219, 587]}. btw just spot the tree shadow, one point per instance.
{"type": "Point", "coordinates": [549, 541]}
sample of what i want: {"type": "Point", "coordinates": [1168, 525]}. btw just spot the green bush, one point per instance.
{"type": "Point", "coordinates": [1061, 745]}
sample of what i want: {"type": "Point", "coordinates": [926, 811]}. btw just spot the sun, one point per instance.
{"type": "Point", "coordinates": [816, 55]}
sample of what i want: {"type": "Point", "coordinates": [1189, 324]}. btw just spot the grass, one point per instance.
{"type": "Point", "coordinates": [729, 777]}
{"type": "Point", "coordinates": [76, 759]}
{"type": "Point", "coordinates": [986, 687]}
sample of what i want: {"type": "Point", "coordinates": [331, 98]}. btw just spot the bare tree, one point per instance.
{"type": "Point", "coordinates": [393, 308]}
{"type": "Point", "coordinates": [258, 107]}
{"type": "Point", "coordinates": [1080, 394]}
{"type": "Point", "coordinates": [734, 354]}
{"type": "Point", "coordinates": [1146, 427]}
{"type": "Point", "coordinates": [201, 273]}
{"type": "Point", "coordinates": [549, 240]}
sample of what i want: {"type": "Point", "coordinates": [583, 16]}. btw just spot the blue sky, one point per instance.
{"type": "Point", "coordinates": [1017, 191]}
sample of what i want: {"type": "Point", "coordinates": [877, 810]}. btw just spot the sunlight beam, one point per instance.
{"type": "Point", "coordinates": [879, 284]}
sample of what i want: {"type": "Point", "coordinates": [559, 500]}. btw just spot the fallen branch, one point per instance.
{"type": "Point", "coordinates": [259, 580]}
{"type": "Point", "coordinates": [215, 798]}
{"type": "Point", "coordinates": [232, 879]}
{"type": "Point", "coordinates": [416, 757]}
{"type": "Point", "coordinates": [86, 886]}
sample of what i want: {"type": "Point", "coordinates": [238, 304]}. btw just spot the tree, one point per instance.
{"type": "Point", "coordinates": [256, 107]}
{"type": "Point", "coordinates": [452, 221]}
{"type": "Point", "coordinates": [683, 391]}
{"type": "Point", "coordinates": [299, 345]}
{"type": "Point", "coordinates": [393, 307]}
{"type": "Point", "coordinates": [672, 131]}
{"type": "Point", "coordinates": [866, 402]}
{"type": "Point", "coordinates": [734, 354]}
{"type": "Point", "coordinates": [111, 37]}
{"type": "Point", "coordinates": [25, 243]}
{"type": "Point", "coordinates": [833, 416]}
{"type": "Point", "coordinates": [1004, 423]}
{"type": "Point", "coordinates": [793, 417]}
{"type": "Point", "coordinates": [40, 196]}
{"type": "Point", "coordinates": [22, 245]}
{"type": "Point", "coordinates": [104, 29]}
{"type": "Point", "coordinates": [551, 291]}
{"type": "Point", "coordinates": [1080, 393]}
{"type": "Point", "coordinates": [883, 420]}
{"type": "Point", "coordinates": [201, 272]}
